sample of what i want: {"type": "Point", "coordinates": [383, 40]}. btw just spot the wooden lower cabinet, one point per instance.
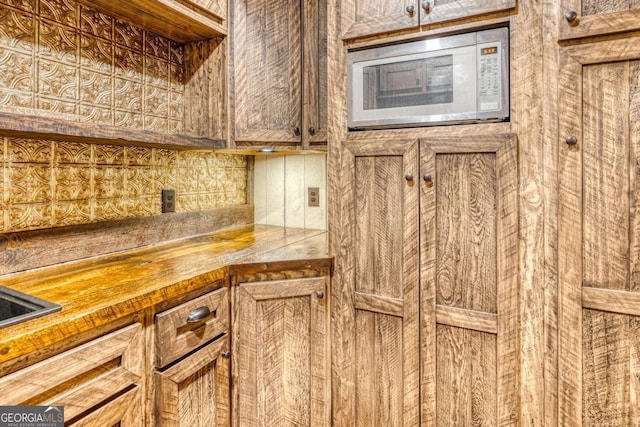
{"type": "Point", "coordinates": [194, 392]}
{"type": "Point", "coordinates": [425, 293]}
{"type": "Point", "coordinates": [99, 383]}
{"type": "Point", "coordinates": [280, 353]}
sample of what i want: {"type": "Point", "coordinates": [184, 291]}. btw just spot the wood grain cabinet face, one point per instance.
{"type": "Point", "coordinates": [98, 383]}
{"type": "Point", "coordinates": [195, 391]}
{"type": "Point", "coordinates": [599, 234]}
{"type": "Point", "coordinates": [176, 335]}
{"type": "Point", "coordinates": [469, 282]}
{"type": "Point", "coordinates": [279, 53]}
{"type": "Point", "coordinates": [280, 353]}
{"type": "Point", "coordinates": [425, 314]}
{"type": "Point", "coordinates": [365, 18]}
{"type": "Point", "coordinates": [375, 341]}
{"type": "Point", "coordinates": [585, 18]}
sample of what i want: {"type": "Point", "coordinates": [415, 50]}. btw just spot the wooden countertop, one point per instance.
{"type": "Point", "coordinates": [101, 290]}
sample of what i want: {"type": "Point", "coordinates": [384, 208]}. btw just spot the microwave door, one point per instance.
{"type": "Point", "coordinates": [415, 88]}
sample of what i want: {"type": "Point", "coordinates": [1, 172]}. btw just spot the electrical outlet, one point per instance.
{"type": "Point", "coordinates": [168, 201]}
{"type": "Point", "coordinates": [314, 196]}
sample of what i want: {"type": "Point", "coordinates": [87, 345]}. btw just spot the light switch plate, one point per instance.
{"type": "Point", "coordinates": [314, 196]}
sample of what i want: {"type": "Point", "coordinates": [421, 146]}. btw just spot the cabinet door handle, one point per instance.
{"type": "Point", "coordinates": [427, 177]}
{"type": "Point", "coordinates": [409, 176]}
{"type": "Point", "coordinates": [571, 17]}
{"type": "Point", "coordinates": [198, 314]}
{"type": "Point", "coordinates": [571, 140]}
{"type": "Point", "coordinates": [320, 294]}
{"type": "Point", "coordinates": [312, 130]}
{"type": "Point", "coordinates": [410, 9]}
{"type": "Point", "coordinates": [426, 6]}
{"type": "Point", "coordinates": [296, 131]}
{"type": "Point", "coordinates": [226, 354]}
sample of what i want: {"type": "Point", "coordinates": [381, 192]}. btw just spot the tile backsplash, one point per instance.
{"type": "Point", "coordinates": [48, 184]}
{"type": "Point", "coordinates": [62, 58]}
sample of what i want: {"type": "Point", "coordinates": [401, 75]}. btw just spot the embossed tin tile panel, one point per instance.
{"type": "Point", "coordinates": [62, 57]}
{"type": "Point", "coordinates": [50, 184]}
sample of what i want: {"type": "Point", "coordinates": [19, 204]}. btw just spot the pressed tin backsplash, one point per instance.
{"type": "Point", "coordinates": [59, 57]}
{"type": "Point", "coordinates": [49, 184]}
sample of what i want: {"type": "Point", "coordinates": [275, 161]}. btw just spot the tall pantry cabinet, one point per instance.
{"type": "Point", "coordinates": [426, 325]}
{"type": "Point", "coordinates": [599, 234]}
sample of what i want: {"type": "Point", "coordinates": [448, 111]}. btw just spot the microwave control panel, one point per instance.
{"type": "Point", "coordinates": [489, 76]}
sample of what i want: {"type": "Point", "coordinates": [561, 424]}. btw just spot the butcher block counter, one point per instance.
{"type": "Point", "coordinates": [116, 288]}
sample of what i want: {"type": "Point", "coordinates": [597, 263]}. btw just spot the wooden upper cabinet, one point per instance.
{"type": "Point", "coordinates": [279, 52]}
{"type": "Point", "coordinates": [599, 234]}
{"type": "Point", "coordinates": [586, 18]}
{"type": "Point", "coordinates": [365, 18]}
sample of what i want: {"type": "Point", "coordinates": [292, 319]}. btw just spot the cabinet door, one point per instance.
{"type": "Point", "coordinates": [469, 281]}
{"type": "Point", "coordinates": [583, 18]}
{"type": "Point", "coordinates": [280, 357]}
{"type": "Point", "coordinates": [98, 383]}
{"type": "Point", "coordinates": [365, 18]}
{"type": "Point", "coordinates": [375, 341]}
{"type": "Point", "coordinates": [599, 234]}
{"type": "Point", "coordinates": [314, 67]}
{"type": "Point", "coordinates": [195, 391]}
{"type": "Point", "coordinates": [448, 10]}
{"type": "Point", "coordinates": [362, 18]}
{"type": "Point", "coordinates": [268, 71]}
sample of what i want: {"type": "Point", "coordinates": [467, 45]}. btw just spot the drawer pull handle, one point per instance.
{"type": "Point", "coordinates": [198, 314]}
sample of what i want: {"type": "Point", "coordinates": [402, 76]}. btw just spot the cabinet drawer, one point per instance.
{"type": "Point", "coordinates": [86, 380]}
{"type": "Point", "coordinates": [190, 325]}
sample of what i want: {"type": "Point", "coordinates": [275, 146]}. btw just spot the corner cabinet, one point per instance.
{"type": "Point", "coordinates": [425, 321]}
{"type": "Point", "coordinates": [99, 383]}
{"type": "Point", "coordinates": [279, 69]}
{"type": "Point", "coordinates": [366, 18]}
{"type": "Point", "coordinates": [280, 353]}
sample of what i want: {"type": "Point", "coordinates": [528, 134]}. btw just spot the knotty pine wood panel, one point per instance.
{"type": "Point", "coordinates": [466, 242]}
{"type": "Point", "coordinates": [596, 359]}
{"type": "Point", "coordinates": [280, 357]}
{"type": "Point", "coordinates": [267, 68]}
{"type": "Point", "coordinates": [450, 195]}
{"type": "Point", "coordinates": [466, 377]}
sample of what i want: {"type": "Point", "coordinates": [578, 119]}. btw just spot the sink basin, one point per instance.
{"type": "Point", "coordinates": [16, 307]}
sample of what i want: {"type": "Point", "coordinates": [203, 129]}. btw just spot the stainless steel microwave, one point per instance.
{"type": "Point", "coordinates": [452, 79]}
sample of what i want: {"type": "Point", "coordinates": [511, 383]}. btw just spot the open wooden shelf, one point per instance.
{"type": "Point", "coordinates": [12, 124]}
{"type": "Point", "coordinates": [178, 20]}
